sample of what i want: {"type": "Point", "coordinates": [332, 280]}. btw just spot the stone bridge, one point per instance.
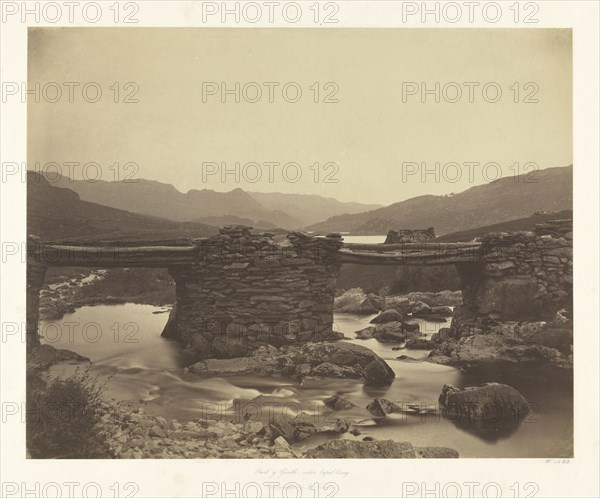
{"type": "Point", "coordinates": [242, 288]}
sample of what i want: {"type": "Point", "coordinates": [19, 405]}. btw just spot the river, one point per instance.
{"type": "Point", "coordinates": [364, 239]}
{"type": "Point", "coordinates": [126, 348]}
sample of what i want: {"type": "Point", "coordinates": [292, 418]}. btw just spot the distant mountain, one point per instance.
{"type": "Point", "coordinates": [165, 201]}
{"type": "Point", "coordinates": [59, 213]}
{"type": "Point", "coordinates": [507, 199]}
{"type": "Point", "coordinates": [219, 221]}
{"type": "Point", "coordinates": [207, 206]}
{"type": "Point", "coordinates": [309, 208]}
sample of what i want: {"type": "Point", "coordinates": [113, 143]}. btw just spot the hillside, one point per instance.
{"type": "Point", "coordinates": [59, 213]}
{"type": "Point", "coordinates": [207, 206]}
{"type": "Point", "coordinates": [518, 225]}
{"type": "Point", "coordinates": [507, 199]}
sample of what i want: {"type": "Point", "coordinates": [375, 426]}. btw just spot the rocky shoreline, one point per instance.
{"type": "Point", "coordinates": [129, 432]}
{"type": "Point", "coordinates": [63, 294]}
{"type": "Point", "coordinates": [430, 305]}
{"type": "Point", "coordinates": [139, 435]}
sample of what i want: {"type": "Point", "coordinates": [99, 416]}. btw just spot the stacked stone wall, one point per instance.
{"type": "Point", "coordinates": [248, 289]}
{"type": "Point", "coordinates": [410, 236]}
{"type": "Point", "coordinates": [521, 276]}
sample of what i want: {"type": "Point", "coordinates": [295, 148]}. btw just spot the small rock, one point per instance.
{"type": "Point", "coordinates": [281, 444]}
{"type": "Point", "coordinates": [380, 407]}
{"type": "Point", "coordinates": [255, 427]}
{"type": "Point", "coordinates": [366, 333]}
{"type": "Point", "coordinates": [157, 431]}
{"type": "Point", "coordinates": [338, 403]}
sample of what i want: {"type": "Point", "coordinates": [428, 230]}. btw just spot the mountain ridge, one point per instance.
{"type": "Point", "coordinates": [151, 197]}
{"type": "Point", "coordinates": [55, 213]}
{"type": "Point", "coordinates": [507, 198]}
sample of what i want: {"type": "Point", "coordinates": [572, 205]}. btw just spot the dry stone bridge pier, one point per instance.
{"type": "Point", "coordinates": [243, 288]}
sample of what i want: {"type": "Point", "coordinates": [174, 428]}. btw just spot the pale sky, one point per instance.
{"type": "Point", "coordinates": [369, 133]}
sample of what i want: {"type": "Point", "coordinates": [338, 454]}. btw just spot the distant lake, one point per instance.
{"type": "Point", "coordinates": [365, 239]}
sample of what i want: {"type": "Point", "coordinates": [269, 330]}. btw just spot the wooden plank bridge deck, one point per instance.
{"type": "Point", "coordinates": [165, 253]}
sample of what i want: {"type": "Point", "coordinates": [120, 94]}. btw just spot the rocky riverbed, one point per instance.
{"type": "Point", "coordinates": [416, 304]}
{"type": "Point", "coordinates": [132, 433]}
{"type": "Point", "coordinates": [127, 431]}
{"type": "Point", "coordinates": [321, 389]}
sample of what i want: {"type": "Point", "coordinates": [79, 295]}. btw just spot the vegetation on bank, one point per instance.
{"type": "Point", "coordinates": [63, 416]}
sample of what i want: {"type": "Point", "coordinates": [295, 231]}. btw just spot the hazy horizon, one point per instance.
{"type": "Point", "coordinates": [369, 133]}
{"type": "Point", "coordinates": [298, 193]}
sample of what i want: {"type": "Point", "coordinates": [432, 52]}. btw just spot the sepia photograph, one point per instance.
{"type": "Point", "coordinates": [309, 242]}
{"type": "Point", "coordinates": [240, 292]}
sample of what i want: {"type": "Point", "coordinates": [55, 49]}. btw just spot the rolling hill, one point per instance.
{"type": "Point", "coordinates": [507, 199]}
{"type": "Point", "coordinates": [154, 198]}
{"type": "Point", "coordinates": [59, 214]}
{"type": "Point", "coordinates": [518, 225]}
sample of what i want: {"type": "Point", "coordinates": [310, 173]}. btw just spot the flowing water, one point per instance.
{"type": "Point", "coordinates": [126, 348]}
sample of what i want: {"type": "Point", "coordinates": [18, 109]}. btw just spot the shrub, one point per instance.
{"type": "Point", "coordinates": [63, 417]}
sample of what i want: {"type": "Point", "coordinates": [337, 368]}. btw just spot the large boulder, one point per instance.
{"type": "Point", "coordinates": [339, 353]}
{"type": "Point", "coordinates": [331, 370]}
{"type": "Point", "coordinates": [356, 301]}
{"type": "Point", "coordinates": [345, 448]}
{"type": "Point", "coordinates": [281, 426]}
{"type": "Point", "coordinates": [553, 335]}
{"type": "Point", "coordinates": [421, 309]}
{"type": "Point", "coordinates": [489, 343]}
{"type": "Point", "coordinates": [419, 343]}
{"type": "Point", "coordinates": [441, 311]}
{"type": "Point", "coordinates": [491, 402]}
{"type": "Point", "coordinates": [43, 356]}
{"type": "Point", "coordinates": [431, 313]}
{"type": "Point", "coordinates": [443, 298]}
{"type": "Point", "coordinates": [507, 298]}
{"type": "Point", "coordinates": [390, 331]}
{"type": "Point", "coordinates": [366, 333]}
{"type": "Point", "coordinates": [299, 428]}
{"type": "Point", "coordinates": [442, 335]}
{"type": "Point", "coordinates": [233, 366]}
{"type": "Point", "coordinates": [320, 359]}
{"type": "Point", "coordinates": [401, 304]}
{"type": "Point", "coordinates": [390, 315]}
{"type": "Point", "coordinates": [379, 373]}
